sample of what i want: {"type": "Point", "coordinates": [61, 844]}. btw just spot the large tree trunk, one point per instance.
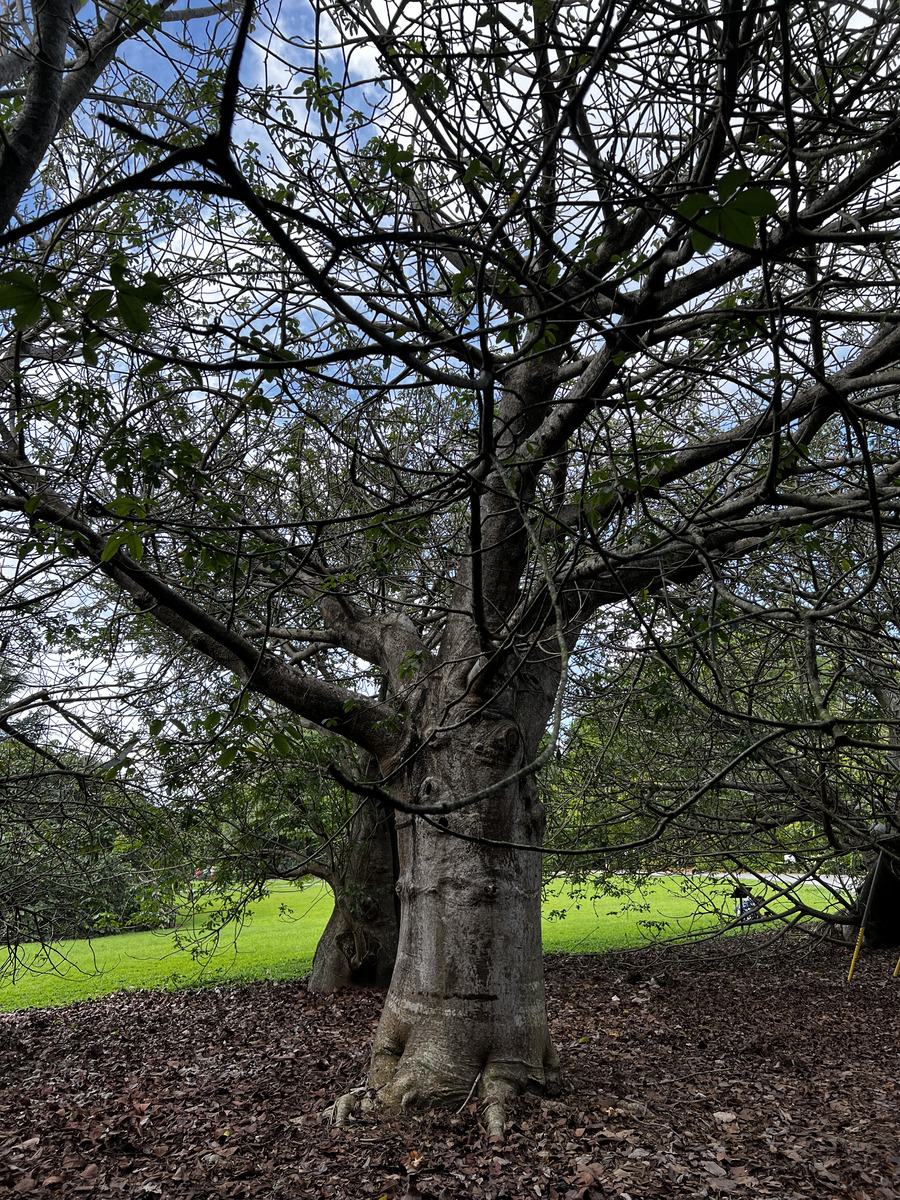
{"type": "Point", "coordinates": [359, 944]}
{"type": "Point", "coordinates": [883, 884]}
{"type": "Point", "coordinates": [466, 1011]}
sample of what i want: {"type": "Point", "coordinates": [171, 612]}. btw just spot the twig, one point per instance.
{"type": "Point", "coordinates": [471, 1093]}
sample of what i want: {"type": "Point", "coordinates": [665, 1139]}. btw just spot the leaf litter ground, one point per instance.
{"type": "Point", "coordinates": [688, 1072]}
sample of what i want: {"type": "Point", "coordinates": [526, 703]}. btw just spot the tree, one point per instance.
{"type": "Point", "coordinates": [659, 757]}
{"type": "Point", "coordinates": [275, 813]}
{"type": "Point", "coordinates": [82, 853]}
{"type": "Point", "coordinates": [509, 318]}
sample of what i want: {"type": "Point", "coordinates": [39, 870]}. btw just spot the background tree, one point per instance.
{"type": "Point", "coordinates": [694, 684]}
{"type": "Point", "coordinates": [82, 851]}
{"type": "Point", "coordinates": [517, 317]}
{"type": "Point", "coordinates": [266, 808]}
{"type": "Point", "coordinates": [47, 160]}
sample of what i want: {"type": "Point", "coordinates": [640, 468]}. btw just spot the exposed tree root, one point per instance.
{"type": "Point", "coordinates": [494, 1111]}
{"type": "Point", "coordinates": [496, 1093]}
{"type": "Point", "coordinates": [475, 1083]}
{"type": "Point", "coordinates": [344, 1106]}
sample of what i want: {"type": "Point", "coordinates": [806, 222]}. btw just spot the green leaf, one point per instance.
{"type": "Point", "coordinates": [118, 270]}
{"type": "Point", "coordinates": [99, 303]}
{"type": "Point", "coordinates": [113, 544]}
{"type": "Point", "coordinates": [126, 506]}
{"type": "Point", "coordinates": [706, 232]}
{"type": "Point", "coordinates": [89, 351]}
{"type": "Point", "coordinates": [17, 288]}
{"type": "Point", "coordinates": [250, 724]}
{"type": "Point", "coordinates": [227, 757]}
{"type": "Point", "coordinates": [737, 227]}
{"type": "Point", "coordinates": [731, 181]}
{"type": "Point", "coordinates": [28, 312]}
{"type": "Point", "coordinates": [282, 745]}
{"type": "Point", "coordinates": [134, 545]}
{"type": "Point", "coordinates": [473, 171]}
{"type": "Point", "coordinates": [693, 204]}
{"type": "Point", "coordinates": [459, 282]}
{"type": "Point", "coordinates": [152, 288]}
{"type": "Point", "coordinates": [132, 312]}
{"type": "Point", "coordinates": [156, 727]}
{"type": "Point", "coordinates": [755, 202]}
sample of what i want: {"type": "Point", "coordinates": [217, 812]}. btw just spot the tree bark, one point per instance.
{"type": "Point", "coordinates": [359, 944]}
{"type": "Point", "coordinates": [466, 1010]}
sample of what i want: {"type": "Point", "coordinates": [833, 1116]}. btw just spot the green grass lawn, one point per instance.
{"type": "Point", "coordinates": [279, 937]}
{"type": "Point", "coordinates": [588, 918]}
{"type": "Point", "coordinates": [271, 944]}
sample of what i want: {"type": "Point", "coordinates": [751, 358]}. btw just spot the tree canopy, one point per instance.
{"type": "Point", "coordinates": [400, 361]}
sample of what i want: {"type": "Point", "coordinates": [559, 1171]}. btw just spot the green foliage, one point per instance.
{"type": "Point", "coordinates": [30, 295]}
{"type": "Point", "coordinates": [67, 877]}
{"type": "Point", "coordinates": [732, 216]}
{"type": "Point", "coordinates": [394, 160]}
{"type": "Point", "coordinates": [24, 293]}
{"type": "Point", "coordinates": [321, 95]}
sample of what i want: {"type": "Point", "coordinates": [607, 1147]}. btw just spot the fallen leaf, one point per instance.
{"type": "Point", "coordinates": [713, 1168]}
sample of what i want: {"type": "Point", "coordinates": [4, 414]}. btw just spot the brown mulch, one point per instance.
{"type": "Point", "coordinates": [688, 1072]}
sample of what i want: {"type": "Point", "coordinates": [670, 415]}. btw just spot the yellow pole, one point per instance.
{"type": "Point", "coordinates": [865, 916]}
{"type": "Point", "coordinates": [859, 940]}
{"type": "Point", "coordinates": [896, 970]}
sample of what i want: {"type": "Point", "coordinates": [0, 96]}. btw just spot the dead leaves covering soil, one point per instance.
{"type": "Point", "coordinates": [687, 1073]}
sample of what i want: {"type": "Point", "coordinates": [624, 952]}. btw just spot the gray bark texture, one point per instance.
{"type": "Point", "coordinates": [25, 143]}
{"type": "Point", "coordinates": [466, 1011]}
